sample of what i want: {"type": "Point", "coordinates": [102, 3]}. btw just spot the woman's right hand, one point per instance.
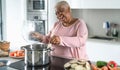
{"type": "Point", "coordinates": [36, 35]}
{"type": "Point", "coordinates": [55, 40]}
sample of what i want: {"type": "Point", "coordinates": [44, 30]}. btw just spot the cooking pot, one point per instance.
{"type": "Point", "coordinates": [36, 54]}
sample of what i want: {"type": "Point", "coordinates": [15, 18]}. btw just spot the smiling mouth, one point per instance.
{"type": "Point", "coordinates": [62, 19]}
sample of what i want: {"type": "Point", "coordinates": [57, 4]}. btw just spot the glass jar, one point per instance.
{"type": "Point", "coordinates": [114, 30]}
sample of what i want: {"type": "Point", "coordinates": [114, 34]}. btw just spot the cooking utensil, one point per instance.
{"type": "Point", "coordinates": [36, 54]}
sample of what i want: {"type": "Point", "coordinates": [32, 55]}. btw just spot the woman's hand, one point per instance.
{"type": "Point", "coordinates": [55, 40]}
{"type": "Point", "coordinates": [36, 35]}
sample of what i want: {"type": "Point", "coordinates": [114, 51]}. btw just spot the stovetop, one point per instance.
{"type": "Point", "coordinates": [21, 66]}
{"type": "Point", "coordinates": [7, 68]}
{"type": "Point", "coordinates": [56, 63]}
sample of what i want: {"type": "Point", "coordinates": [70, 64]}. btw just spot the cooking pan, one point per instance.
{"type": "Point", "coordinates": [36, 54]}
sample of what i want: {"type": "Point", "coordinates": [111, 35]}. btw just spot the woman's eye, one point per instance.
{"type": "Point", "coordinates": [57, 13]}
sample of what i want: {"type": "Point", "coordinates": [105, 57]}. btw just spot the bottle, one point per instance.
{"type": "Point", "coordinates": [106, 26]}
{"type": "Point", "coordinates": [114, 30]}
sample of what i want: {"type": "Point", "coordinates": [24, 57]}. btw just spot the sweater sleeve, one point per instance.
{"type": "Point", "coordinates": [78, 40]}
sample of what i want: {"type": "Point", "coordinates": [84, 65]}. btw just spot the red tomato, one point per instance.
{"type": "Point", "coordinates": [20, 53]}
{"type": "Point", "coordinates": [11, 54]}
{"type": "Point", "coordinates": [15, 54]}
{"type": "Point", "coordinates": [23, 54]}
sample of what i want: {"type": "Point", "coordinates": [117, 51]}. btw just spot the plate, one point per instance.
{"type": "Point", "coordinates": [18, 57]}
{"type": "Point", "coordinates": [18, 54]}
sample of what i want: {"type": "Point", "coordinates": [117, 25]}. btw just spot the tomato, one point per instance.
{"type": "Point", "coordinates": [23, 54]}
{"type": "Point", "coordinates": [20, 53]}
{"type": "Point", "coordinates": [11, 54]}
{"type": "Point", "coordinates": [15, 54]}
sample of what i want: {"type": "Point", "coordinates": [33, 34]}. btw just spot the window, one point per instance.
{"type": "Point", "coordinates": [1, 24]}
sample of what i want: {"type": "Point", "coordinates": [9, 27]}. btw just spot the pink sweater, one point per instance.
{"type": "Point", "coordinates": [73, 40]}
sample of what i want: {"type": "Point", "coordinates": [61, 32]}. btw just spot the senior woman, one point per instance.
{"type": "Point", "coordinates": [68, 35]}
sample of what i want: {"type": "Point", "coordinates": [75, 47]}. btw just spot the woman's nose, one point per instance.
{"type": "Point", "coordinates": [60, 16]}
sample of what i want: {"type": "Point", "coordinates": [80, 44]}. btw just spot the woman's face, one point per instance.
{"type": "Point", "coordinates": [63, 14]}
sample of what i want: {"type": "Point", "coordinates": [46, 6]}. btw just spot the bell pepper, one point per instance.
{"type": "Point", "coordinates": [100, 64]}
{"type": "Point", "coordinates": [112, 64]}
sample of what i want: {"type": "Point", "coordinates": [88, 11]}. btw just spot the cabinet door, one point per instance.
{"type": "Point", "coordinates": [94, 4]}
{"type": "Point", "coordinates": [74, 4]}
{"type": "Point", "coordinates": [103, 51]}
{"type": "Point", "coordinates": [100, 4]}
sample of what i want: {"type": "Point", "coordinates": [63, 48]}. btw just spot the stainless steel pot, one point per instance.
{"type": "Point", "coordinates": [36, 54]}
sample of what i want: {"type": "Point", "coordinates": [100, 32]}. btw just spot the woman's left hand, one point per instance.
{"type": "Point", "coordinates": [55, 40]}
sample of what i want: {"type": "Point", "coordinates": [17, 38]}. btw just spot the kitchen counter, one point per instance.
{"type": "Point", "coordinates": [56, 63]}
{"type": "Point", "coordinates": [8, 61]}
{"type": "Point", "coordinates": [105, 50]}
{"type": "Point", "coordinates": [93, 47]}
{"type": "Point", "coordinates": [11, 60]}
{"type": "Point", "coordinates": [104, 41]}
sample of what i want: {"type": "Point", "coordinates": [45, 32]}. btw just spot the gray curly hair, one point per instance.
{"type": "Point", "coordinates": [63, 3]}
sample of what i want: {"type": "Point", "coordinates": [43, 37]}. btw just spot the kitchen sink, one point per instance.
{"type": "Point", "coordinates": [102, 38]}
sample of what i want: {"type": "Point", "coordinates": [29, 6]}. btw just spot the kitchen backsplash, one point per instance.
{"type": "Point", "coordinates": [95, 18]}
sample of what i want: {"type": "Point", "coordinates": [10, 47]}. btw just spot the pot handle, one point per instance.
{"type": "Point", "coordinates": [49, 49]}
{"type": "Point", "coordinates": [22, 48]}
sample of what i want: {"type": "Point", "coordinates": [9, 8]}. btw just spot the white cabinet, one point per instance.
{"type": "Point", "coordinates": [94, 4]}
{"type": "Point", "coordinates": [103, 50]}
{"type": "Point", "coordinates": [100, 4]}
{"type": "Point", "coordinates": [74, 4]}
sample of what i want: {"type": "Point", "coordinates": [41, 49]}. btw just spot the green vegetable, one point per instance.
{"type": "Point", "coordinates": [101, 64]}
